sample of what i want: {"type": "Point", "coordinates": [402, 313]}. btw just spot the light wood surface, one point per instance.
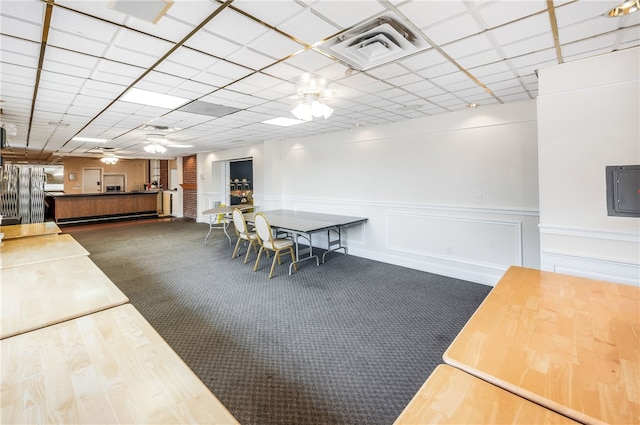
{"type": "Point", "coordinates": [32, 229]}
{"type": "Point", "coordinates": [568, 343]}
{"type": "Point", "coordinates": [18, 252]}
{"type": "Point", "coordinates": [108, 367]}
{"type": "Point", "coordinates": [41, 294]}
{"type": "Point", "coordinates": [452, 396]}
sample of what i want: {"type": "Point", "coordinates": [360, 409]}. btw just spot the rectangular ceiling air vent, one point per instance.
{"type": "Point", "coordinates": [374, 43]}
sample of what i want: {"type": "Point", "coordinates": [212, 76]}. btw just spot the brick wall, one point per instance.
{"type": "Point", "coordinates": [164, 174]}
{"type": "Point", "coordinates": [189, 196]}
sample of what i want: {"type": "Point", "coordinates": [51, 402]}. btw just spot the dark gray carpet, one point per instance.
{"type": "Point", "coordinates": [349, 342]}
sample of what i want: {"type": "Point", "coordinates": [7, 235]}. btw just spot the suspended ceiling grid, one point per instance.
{"type": "Point", "coordinates": [66, 64]}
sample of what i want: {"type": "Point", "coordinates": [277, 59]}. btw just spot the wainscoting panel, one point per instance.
{"type": "Point", "coordinates": [592, 268]}
{"type": "Point", "coordinates": [491, 243]}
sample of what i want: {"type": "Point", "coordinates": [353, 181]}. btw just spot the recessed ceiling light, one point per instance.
{"type": "Point", "coordinates": [149, 98]}
{"type": "Point", "coordinates": [179, 146]}
{"type": "Point", "coordinates": [282, 121]}
{"type": "Point", "coordinates": [89, 140]}
{"type": "Point", "coordinates": [472, 105]}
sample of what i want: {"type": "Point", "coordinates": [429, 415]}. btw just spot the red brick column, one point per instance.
{"type": "Point", "coordinates": [189, 182]}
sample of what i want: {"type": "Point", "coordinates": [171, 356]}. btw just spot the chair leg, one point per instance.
{"type": "Point", "coordinates": [276, 255]}
{"type": "Point", "coordinates": [255, 267]}
{"type": "Point", "coordinates": [246, 256]}
{"type": "Point", "coordinates": [235, 251]}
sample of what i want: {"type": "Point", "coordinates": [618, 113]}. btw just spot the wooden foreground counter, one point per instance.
{"type": "Point", "coordinates": [16, 231]}
{"type": "Point", "coordinates": [18, 252]}
{"type": "Point", "coordinates": [108, 367]}
{"type": "Point", "coordinates": [41, 294]}
{"type": "Point", "coordinates": [567, 343]}
{"type": "Point", "coordinates": [452, 396]}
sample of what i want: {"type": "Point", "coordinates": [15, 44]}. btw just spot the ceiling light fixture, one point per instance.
{"type": "Point", "coordinates": [89, 140]}
{"type": "Point", "coordinates": [312, 89]}
{"type": "Point", "coordinates": [149, 98]}
{"type": "Point", "coordinates": [624, 8]}
{"type": "Point", "coordinates": [109, 160]}
{"type": "Point", "coordinates": [155, 148]}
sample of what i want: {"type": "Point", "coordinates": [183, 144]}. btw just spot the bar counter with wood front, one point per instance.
{"type": "Point", "coordinates": [78, 208]}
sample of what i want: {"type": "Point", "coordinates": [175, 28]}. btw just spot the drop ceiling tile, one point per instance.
{"type": "Point", "coordinates": [158, 82]}
{"type": "Point", "coordinates": [250, 58]}
{"type": "Point", "coordinates": [388, 71]}
{"type": "Point", "coordinates": [26, 57]}
{"type": "Point", "coordinates": [235, 27]}
{"type": "Point", "coordinates": [69, 63]}
{"type": "Point", "coordinates": [538, 42]}
{"type": "Point", "coordinates": [60, 82]}
{"type": "Point", "coordinates": [308, 27]}
{"type": "Point", "coordinates": [577, 12]}
{"type": "Point", "coordinates": [192, 89]}
{"type": "Point", "coordinates": [275, 45]}
{"type": "Point", "coordinates": [427, 13]}
{"type": "Point", "coordinates": [285, 71]}
{"type": "Point", "coordinates": [629, 36]}
{"type": "Point", "coordinates": [102, 89]}
{"type": "Point", "coordinates": [438, 70]}
{"type": "Point", "coordinates": [479, 59]}
{"type": "Point", "coordinates": [404, 79]}
{"type": "Point", "coordinates": [586, 29]}
{"type": "Point", "coordinates": [229, 70]}
{"type": "Point", "coordinates": [461, 48]}
{"type": "Point", "coordinates": [136, 49]}
{"type": "Point", "coordinates": [533, 60]}
{"type": "Point", "coordinates": [212, 80]}
{"type": "Point", "coordinates": [347, 13]}
{"type": "Point", "coordinates": [272, 12]}
{"type": "Point", "coordinates": [522, 30]}
{"type": "Point", "coordinates": [453, 29]}
{"type": "Point", "coordinates": [309, 60]}
{"type": "Point", "coordinates": [424, 59]}
{"type": "Point", "coordinates": [209, 43]}
{"type": "Point", "coordinates": [501, 12]}
{"type": "Point", "coordinates": [453, 82]}
{"type": "Point", "coordinates": [365, 83]}
{"type": "Point", "coordinates": [590, 47]}
{"type": "Point", "coordinates": [19, 27]}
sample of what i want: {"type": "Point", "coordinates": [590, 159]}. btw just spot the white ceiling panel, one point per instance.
{"type": "Point", "coordinates": [250, 58]}
{"type": "Point", "coordinates": [272, 12]}
{"type": "Point", "coordinates": [94, 54]}
{"type": "Point", "coordinates": [347, 13]}
{"type": "Point", "coordinates": [499, 13]}
{"type": "Point", "coordinates": [19, 28]}
{"type": "Point", "coordinates": [235, 27]}
{"type": "Point", "coordinates": [453, 29]}
{"type": "Point", "coordinates": [428, 13]}
{"type": "Point", "coordinates": [308, 27]}
{"type": "Point", "coordinates": [276, 45]}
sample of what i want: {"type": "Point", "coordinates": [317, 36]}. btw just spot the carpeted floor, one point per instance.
{"type": "Point", "coordinates": [349, 342]}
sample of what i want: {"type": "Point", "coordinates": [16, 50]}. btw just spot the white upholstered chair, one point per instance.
{"type": "Point", "coordinates": [244, 234]}
{"type": "Point", "coordinates": [267, 242]}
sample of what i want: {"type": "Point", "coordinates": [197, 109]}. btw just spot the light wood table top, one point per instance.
{"type": "Point", "coordinates": [452, 396]}
{"type": "Point", "coordinates": [567, 343]}
{"type": "Point", "coordinates": [108, 367]}
{"type": "Point", "coordinates": [41, 294]}
{"type": "Point", "coordinates": [18, 252]}
{"type": "Point", "coordinates": [15, 231]}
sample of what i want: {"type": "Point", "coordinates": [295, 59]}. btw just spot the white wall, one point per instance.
{"type": "Point", "coordinates": [454, 194]}
{"type": "Point", "coordinates": [588, 118]}
{"type": "Point", "coordinates": [208, 193]}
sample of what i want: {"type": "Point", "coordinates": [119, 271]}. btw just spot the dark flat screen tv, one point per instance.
{"type": "Point", "coordinates": [623, 190]}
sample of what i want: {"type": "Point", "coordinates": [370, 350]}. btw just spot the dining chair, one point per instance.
{"type": "Point", "coordinates": [244, 234]}
{"type": "Point", "coordinates": [267, 242]}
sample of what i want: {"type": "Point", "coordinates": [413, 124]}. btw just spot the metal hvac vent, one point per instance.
{"type": "Point", "coordinates": [375, 43]}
